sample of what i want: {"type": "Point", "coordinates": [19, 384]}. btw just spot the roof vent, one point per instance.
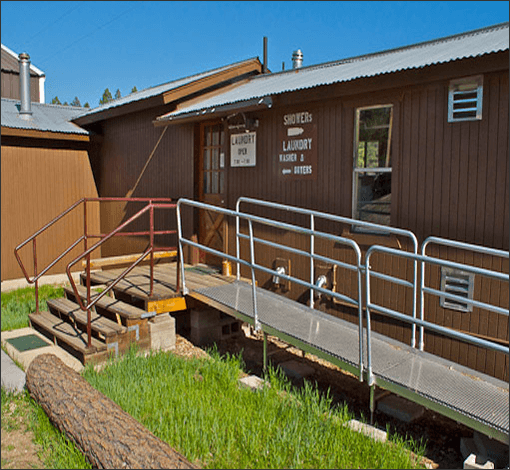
{"type": "Point", "coordinates": [24, 82]}
{"type": "Point", "coordinates": [297, 59]}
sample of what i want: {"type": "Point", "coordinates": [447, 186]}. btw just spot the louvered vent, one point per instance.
{"type": "Point", "coordinates": [458, 283]}
{"type": "Point", "coordinates": [465, 99]}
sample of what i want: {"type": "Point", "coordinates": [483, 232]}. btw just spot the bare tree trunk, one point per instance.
{"type": "Point", "coordinates": [106, 434]}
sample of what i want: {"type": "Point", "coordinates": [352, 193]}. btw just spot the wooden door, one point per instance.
{"type": "Point", "coordinates": [211, 189]}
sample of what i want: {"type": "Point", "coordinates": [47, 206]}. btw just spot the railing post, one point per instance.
{"type": "Point", "coordinates": [253, 285]}
{"type": "Point", "coordinates": [85, 246]}
{"type": "Point", "coordinates": [35, 275]}
{"type": "Point", "coordinates": [312, 252]}
{"type": "Point", "coordinates": [152, 246]}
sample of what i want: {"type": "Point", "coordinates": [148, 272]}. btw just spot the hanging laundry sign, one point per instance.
{"type": "Point", "coordinates": [243, 149]}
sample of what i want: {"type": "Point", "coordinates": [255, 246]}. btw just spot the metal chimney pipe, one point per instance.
{"type": "Point", "coordinates": [297, 59]}
{"type": "Point", "coordinates": [24, 85]}
{"type": "Point", "coordinates": [264, 64]}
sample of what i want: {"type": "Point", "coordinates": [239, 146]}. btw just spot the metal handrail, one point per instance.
{"type": "Point", "coordinates": [454, 244]}
{"type": "Point", "coordinates": [252, 265]}
{"type": "Point", "coordinates": [421, 322]}
{"type": "Point", "coordinates": [377, 228]}
{"type": "Point", "coordinates": [86, 254]}
{"type": "Point", "coordinates": [153, 203]}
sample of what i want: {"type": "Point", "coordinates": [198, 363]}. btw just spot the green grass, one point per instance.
{"type": "Point", "coordinates": [18, 304]}
{"type": "Point", "coordinates": [56, 450]}
{"type": "Point", "coordinates": [198, 407]}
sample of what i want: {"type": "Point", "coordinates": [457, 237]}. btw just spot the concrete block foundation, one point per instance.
{"type": "Point", "coordinates": [162, 332]}
{"type": "Point", "coordinates": [209, 325]}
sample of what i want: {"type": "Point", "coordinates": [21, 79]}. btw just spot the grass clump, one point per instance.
{"type": "Point", "coordinates": [18, 304]}
{"type": "Point", "coordinates": [199, 408]}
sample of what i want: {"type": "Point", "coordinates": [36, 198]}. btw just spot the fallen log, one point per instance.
{"type": "Point", "coordinates": [105, 433]}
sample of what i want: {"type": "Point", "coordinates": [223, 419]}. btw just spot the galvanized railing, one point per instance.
{"type": "Point", "coordinates": [423, 259]}
{"type": "Point", "coordinates": [314, 215]}
{"type": "Point", "coordinates": [467, 247]}
{"type": "Point", "coordinates": [254, 266]}
{"type": "Point", "coordinates": [152, 203]}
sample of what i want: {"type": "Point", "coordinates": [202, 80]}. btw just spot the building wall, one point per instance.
{"type": "Point", "coordinates": [40, 179]}
{"type": "Point", "coordinates": [11, 86]}
{"type": "Point", "coordinates": [128, 142]}
{"type": "Point", "coordinates": [449, 180]}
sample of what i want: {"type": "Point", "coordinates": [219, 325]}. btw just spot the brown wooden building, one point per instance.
{"type": "Point", "coordinates": [45, 169]}
{"type": "Point", "coordinates": [415, 138]}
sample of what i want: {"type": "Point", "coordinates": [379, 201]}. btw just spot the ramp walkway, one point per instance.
{"type": "Point", "coordinates": [465, 395]}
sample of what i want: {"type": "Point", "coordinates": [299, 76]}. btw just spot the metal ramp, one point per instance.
{"type": "Point", "coordinates": [449, 388]}
{"type": "Point", "coordinates": [477, 400]}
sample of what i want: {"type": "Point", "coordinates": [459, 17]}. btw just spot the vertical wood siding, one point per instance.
{"type": "Point", "coordinates": [37, 185]}
{"type": "Point", "coordinates": [128, 144]}
{"type": "Point", "coordinates": [449, 180]}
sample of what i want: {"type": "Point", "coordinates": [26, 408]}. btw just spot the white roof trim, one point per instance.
{"type": "Point", "coordinates": [33, 68]}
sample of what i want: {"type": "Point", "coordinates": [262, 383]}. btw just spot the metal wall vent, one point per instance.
{"type": "Point", "coordinates": [465, 99]}
{"type": "Point", "coordinates": [459, 283]}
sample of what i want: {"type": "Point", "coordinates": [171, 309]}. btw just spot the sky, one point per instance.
{"type": "Point", "coordinates": [88, 46]}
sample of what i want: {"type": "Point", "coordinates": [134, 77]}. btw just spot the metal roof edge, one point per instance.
{"type": "Point", "coordinates": [392, 50]}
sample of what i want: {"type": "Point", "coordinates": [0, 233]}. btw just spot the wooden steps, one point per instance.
{"type": "Point", "coordinates": [69, 337]}
{"type": "Point", "coordinates": [103, 327]}
{"type": "Point", "coordinates": [115, 306]}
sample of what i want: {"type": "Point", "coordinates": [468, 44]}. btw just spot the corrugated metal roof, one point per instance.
{"type": "Point", "coordinates": [159, 89]}
{"type": "Point", "coordinates": [10, 63]}
{"type": "Point", "coordinates": [45, 117]}
{"type": "Point", "coordinates": [461, 46]}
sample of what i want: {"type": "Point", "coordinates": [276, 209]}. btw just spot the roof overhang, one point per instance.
{"type": "Point", "coordinates": [255, 104]}
{"type": "Point", "coordinates": [191, 90]}
{"type": "Point", "coordinates": [211, 81]}
{"type": "Point", "coordinates": [36, 134]}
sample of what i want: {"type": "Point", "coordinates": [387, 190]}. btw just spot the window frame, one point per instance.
{"type": "Point", "coordinates": [357, 170]}
{"type": "Point", "coordinates": [476, 80]}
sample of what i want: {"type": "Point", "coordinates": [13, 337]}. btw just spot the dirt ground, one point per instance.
{"type": "Point", "coordinates": [18, 448]}
{"type": "Point", "coordinates": [442, 435]}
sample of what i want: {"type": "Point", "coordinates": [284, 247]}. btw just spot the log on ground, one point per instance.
{"type": "Point", "coordinates": [106, 434]}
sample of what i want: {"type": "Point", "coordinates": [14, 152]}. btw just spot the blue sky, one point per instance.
{"type": "Point", "coordinates": [85, 47]}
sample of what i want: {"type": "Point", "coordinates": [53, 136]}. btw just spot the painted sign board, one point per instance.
{"type": "Point", "coordinates": [297, 146]}
{"type": "Point", "coordinates": [243, 149]}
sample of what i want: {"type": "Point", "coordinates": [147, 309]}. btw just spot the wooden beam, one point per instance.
{"type": "Point", "coordinates": [114, 260]}
{"type": "Point", "coordinates": [211, 80]}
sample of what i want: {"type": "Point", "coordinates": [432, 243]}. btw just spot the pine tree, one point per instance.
{"type": "Point", "coordinates": [86, 105]}
{"type": "Point", "coordinates": [107, 97]}
{"type": "Point", "coordinates": [134, 89]}
{"type": "Point", "coordinates": [55, 100]}
{"type": "Point", "coordinates": [117, 94]}
{"type": "Point", "coordinates": [76, 102]}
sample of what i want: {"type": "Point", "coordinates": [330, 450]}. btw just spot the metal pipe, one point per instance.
{"type": "Point", "coordinates": [264, 354]}
{"type": "Point", "coordinates": [253, 282]}
{"type": "Point", "coordinates": [264, 63]}
{"type": "Point", "coordinates": [24, 86]}
{"type": "Point", "coordinates": [312, 267]}
{"type": "Point", "coordinates": [179, 244]}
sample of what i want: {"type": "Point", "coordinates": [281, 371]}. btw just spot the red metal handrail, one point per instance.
{"type": "Point", "coordinates": [163, 203]}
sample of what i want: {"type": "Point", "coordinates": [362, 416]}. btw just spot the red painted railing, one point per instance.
{"type": "Point", "coordinates": [152, 204]}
